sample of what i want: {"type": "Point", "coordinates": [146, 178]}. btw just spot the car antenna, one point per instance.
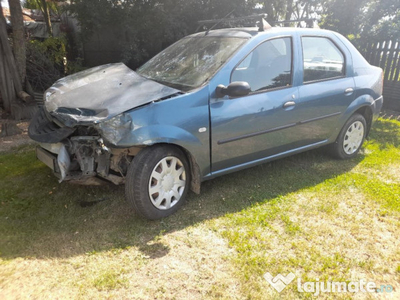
{"type": "Point", "coordinates": [219, 22]}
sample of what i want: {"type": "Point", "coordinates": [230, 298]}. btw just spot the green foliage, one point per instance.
{"type": "Point", "coordinates": [47, 62]}
{"type": "Point", "coordinates": [140, 29]}
{"type": "Point", "coordinates": [363, 20]}
{"type": "Point", "coordinates": [108, 280]}
{"type": "Point", "coordinates": [31, 4]}
{"type": "Point", "coordinates": [51, 4]}
{"type": "Point", "coordinates": [74, 66]}
{"type": "Point", "coordinates": [53, 48]}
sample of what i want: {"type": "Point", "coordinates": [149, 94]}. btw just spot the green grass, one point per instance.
{"type": "Point", "coordinates": [307, 214]}
{"type": "Point", "coordinates": [298, 222]}
{"type": "Point", "coordinates": [108, 280]}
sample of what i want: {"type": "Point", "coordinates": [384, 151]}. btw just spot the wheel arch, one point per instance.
{"type": "Point", "coordinates": [367, 113]}
{"type": "Point", "coordinates": [195, 174]}
{"type": "Point", "coordinates": [361, 105]}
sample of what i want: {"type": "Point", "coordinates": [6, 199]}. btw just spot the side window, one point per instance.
{"type": "Point", "coordinates": [268, 66]}
{"type": "Point", "coordinates": [322, 59]}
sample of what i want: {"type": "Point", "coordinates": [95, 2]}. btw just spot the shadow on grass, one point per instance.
{"type": "Point", "coordinates": [386, 133]}
{"type": "Point", "coordinates": [41, 218]}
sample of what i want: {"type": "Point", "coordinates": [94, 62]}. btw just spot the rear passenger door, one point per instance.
{"type": "Point", "coordinates": [326, 90]}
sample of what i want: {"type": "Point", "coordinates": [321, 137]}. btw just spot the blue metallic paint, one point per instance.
{"type": "Point", "coordinates": [174, 121]}
{"type": "Point", "coordinates": [321, 109]}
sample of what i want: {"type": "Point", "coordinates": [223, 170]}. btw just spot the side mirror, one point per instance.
{"type": "Point", "coordinates": [235, 89]}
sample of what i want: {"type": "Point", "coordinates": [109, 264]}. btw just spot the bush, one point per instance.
{"type": "Point", "coordinates": [47, 62]}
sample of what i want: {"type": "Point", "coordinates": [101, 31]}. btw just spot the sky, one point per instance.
{"type": "Point", "coordinates": [4, 3]}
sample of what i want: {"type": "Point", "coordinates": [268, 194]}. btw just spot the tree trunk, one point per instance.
{"type": "Point", "coordinates": [8, 70]}
{"type": "Point", "coordinates": [46, 15]}
{"type": "Point", "coordinates": [17, 22]}
{"type": "Point", "coordinates": [269, 9]}
{"type": "Point", "coordinates": [289, 11]}
{"type": "Point", "coordinates": [10, 83]}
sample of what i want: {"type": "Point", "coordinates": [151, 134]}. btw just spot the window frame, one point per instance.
{"type": "Point", "coordinates": [291, 66]}
{"type": "Point", "coordinates": [337, 47]}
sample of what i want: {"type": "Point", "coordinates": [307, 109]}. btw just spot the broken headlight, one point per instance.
{"type": "Point", "coordinates": [116, 128]}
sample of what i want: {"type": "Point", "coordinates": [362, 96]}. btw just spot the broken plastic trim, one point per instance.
{"type": "Point", "coordinates": [43, 130]}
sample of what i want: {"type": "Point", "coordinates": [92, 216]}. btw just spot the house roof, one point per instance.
{"type": "Point", "coordinates": [26, 14]}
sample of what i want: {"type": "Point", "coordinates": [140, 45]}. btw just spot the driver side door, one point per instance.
{"type": "Point", "coordinates": [258, 125]}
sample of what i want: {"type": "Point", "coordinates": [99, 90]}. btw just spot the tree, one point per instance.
{"type": "Point", "coordinates": [362, 19]}
{"type": "Point", "coordinates": [10, 81]}
{"type": "Point", "coordinates": [45, 6]}
{"type": "Point", "coordinates": [143, 28]}
{"type": "Point", "coordinates": [46, 14]}
{"type": "Point", "coordinates": [382, 18]}
{"type": "Point", "coordinates": [19, 44]}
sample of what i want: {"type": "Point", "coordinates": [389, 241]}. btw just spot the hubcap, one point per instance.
{"type": "Point", "coordinates": [167, 183]}
{"type": "Point", "coordinates": [353, 137]}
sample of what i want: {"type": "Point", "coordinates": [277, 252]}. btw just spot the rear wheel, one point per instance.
{"type": "Point", "coordinates": [351, 138]}
{"type": "Point", "coordinates": [157, 181]}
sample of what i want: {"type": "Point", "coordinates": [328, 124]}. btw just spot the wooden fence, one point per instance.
{"type": "Point", "coordinates": [386, 54]}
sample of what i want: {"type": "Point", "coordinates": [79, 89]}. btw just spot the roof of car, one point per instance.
{"type": "Point", "coordinates": [248, 32]}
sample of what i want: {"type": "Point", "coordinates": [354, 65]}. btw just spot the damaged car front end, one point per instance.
{"type": "Point", "coordinates": [83, 158]}
{"type": "Point", "coordinates": [149, 129]}
{"type": "Point", "coordinates": [81, 111]}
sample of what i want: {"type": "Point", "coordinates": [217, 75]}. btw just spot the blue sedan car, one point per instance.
{"type": "Point", "coordinates": [212, 103]}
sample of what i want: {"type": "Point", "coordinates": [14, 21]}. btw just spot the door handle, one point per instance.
{"type": "Point", "coordinates": [348, 91]}
{"type": "Point", "coordinates": [289, 104]}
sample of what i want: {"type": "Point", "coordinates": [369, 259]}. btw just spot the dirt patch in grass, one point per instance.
{"type": "Point", "coordinates": [15, 141]}
{"type": "Point", "coordinates": [188, 264]}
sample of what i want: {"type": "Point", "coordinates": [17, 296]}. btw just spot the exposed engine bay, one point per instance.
{"type": "Point", "coordinates": [82, 110]}
{"type": "Point", "coordinates": [79, 154]}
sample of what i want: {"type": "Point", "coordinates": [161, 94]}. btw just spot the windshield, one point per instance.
{"type": "Point", "coordinates": [190, 62]}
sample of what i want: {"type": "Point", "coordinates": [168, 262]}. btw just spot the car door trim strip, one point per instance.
{"type": "Point", "coordinates": [319, 118]}
{"type": "Point", "coordinates": [221, 142]}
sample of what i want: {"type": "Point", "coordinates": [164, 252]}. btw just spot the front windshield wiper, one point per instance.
{"type": "Point", "coordinates": [174, 85]}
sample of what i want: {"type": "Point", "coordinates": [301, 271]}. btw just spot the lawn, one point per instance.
{"type": "Point", "coordinates": [318, 218]}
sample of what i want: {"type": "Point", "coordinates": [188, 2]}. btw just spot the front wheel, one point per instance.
{"type": "Point", "coordinates": [157, 181]}
{"type": "Point", "coordinates": [350, 138]}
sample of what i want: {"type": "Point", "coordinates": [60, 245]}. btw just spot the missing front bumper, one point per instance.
{"type": "Point", "coordinates": [83, 160]}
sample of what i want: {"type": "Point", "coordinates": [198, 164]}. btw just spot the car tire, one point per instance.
{"type": "Point", "coordinates": [350, 138]}
{"type": "Point", "coordinates": [157, 181]}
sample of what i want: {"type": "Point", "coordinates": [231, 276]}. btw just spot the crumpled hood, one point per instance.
{"type": "Point", "coordinates": [100, 93]}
